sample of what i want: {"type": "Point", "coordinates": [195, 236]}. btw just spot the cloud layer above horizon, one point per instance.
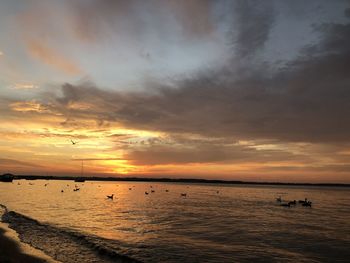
{"type": "Point", "coordinates": [249, 90]}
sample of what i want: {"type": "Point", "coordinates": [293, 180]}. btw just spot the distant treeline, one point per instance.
{"type": "Point", "coordinates": [170, 180]}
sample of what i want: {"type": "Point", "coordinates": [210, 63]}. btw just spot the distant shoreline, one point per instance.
{"type": "Point", "coordinates": [171, 180]}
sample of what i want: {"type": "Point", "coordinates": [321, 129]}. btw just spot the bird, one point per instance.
{"type": "Point", "coordinates": [279, 199]}
{"type": "Point", "coordinates": [308, 203]}
{"type": "Point", "coordinates": [303, 201]}
{"type": "Point", "coordinates": [217, 192]}
{"type": "Point", "coordinates": [62, 191]}
{"type": "Point", "coordinates": [73, 142]}
{"type": "Point", "coordinates": [129, 188]}
{"type": "Point", "coordinates": [110, 196]}
{"type": "Point", "coordinates": [146, 193]}
{"type": "Point", "coordinates": [166, 190]}
{"type": "Point", "coordinates": [292, 202]}
{"type": "Point", "coordinates": [184, 194]}
{"type": "Point", "coordinates": [152, 191]}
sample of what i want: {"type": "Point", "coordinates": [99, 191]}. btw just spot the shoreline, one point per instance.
{"type": "Point", "coordinates": [13, 250]}
{"type": "Point", "coordinates": [173, 180]}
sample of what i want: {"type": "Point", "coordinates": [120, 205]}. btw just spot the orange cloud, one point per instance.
{"type": "Point", "coordinates": [25, 106]}
{"type": "Point", "coordinates": [52, 57]}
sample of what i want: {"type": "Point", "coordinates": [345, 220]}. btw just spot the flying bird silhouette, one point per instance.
{"type": "Point", "coordinates": [73, 142]}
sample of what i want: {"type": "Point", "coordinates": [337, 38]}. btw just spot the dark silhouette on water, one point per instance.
{"type": "Point", "coordinates": [294, 202]}
{"type": "Point", "coordinates": [146, 193]}
{"type": "Point", "coordinates": [184, 194]}
{"type": "Point", "coordinates": [308, 203]}
{"type": "Point", "coordinates": [73, 142]}
{"type": "Point", "coordinates": [79, 180]}
{"type": "Point", "coordinates": [279, 199]}
{"type": "Point", "coordinates": [305, 202]}
{"type": "Point", "coordinates": [7, 178]}
{"type": "Point", "coordinates": [110, 196]}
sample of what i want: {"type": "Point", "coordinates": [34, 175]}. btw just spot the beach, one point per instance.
{"type": "Point", "coordinates": [12, 250]}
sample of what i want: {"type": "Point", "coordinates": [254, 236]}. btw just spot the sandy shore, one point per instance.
{"type": "Point", "coordinates": [14, 251]}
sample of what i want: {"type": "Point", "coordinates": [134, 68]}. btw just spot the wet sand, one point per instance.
{"type": "Point", "coordinates": [13, 251]}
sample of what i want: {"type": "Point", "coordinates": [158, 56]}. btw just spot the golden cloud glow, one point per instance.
{"type": "Point", "coordinates": [24, 86]}
{"type": "Point", "coordinates": [28, 106]}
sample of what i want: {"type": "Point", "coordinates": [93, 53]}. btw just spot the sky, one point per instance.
{"type": "Point", "coordinates": [227, 89]}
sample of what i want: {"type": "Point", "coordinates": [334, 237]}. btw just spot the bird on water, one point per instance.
{"type": "Point", "coordinates": [110, 196]}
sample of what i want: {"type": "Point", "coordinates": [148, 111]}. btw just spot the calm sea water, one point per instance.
{"type": "Point", "coordinates": [241, 223]}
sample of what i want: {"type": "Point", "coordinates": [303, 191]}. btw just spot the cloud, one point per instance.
{"type": "Point", "coordinates": [305, 100]}
{"type": "Point", "coordinates": [52, 57]}
{"type": "Point", "coordinates": [29, 106]}
{"type": "Point", "coordinates": [15, 163]}
{"type": "Point", "coordinates": [98, 159]}
{"type": "Point", "coordinates": [25, 86]}
{"type": "Point", "coordinates": [97, 20]}
{"type": "Point", "coordinates": [253, 21]}
{"type": "Point", "coordinates": [206, 153]}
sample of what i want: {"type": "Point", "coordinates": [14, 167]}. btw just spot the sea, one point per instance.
{"type": "Point", "coordinates": [178, 222]}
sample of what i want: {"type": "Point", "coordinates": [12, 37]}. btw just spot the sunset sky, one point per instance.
{"type": "Point", "coordinates": [234, 90]}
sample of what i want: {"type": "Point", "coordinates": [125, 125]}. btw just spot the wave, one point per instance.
{"type": "Point", "coordinates": [62, 244]}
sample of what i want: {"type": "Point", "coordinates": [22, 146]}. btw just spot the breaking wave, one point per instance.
{"type": "Point", "coordinates": [62, 244]}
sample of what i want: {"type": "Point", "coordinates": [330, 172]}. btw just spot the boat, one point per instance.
{"type": "Point", "coordinates": [7, 177]}
{"type": "Point", "coordinates": [81, 179]}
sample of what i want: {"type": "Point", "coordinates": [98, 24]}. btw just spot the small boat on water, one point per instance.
{"type": "Point", "coordinates": [7, 178]}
